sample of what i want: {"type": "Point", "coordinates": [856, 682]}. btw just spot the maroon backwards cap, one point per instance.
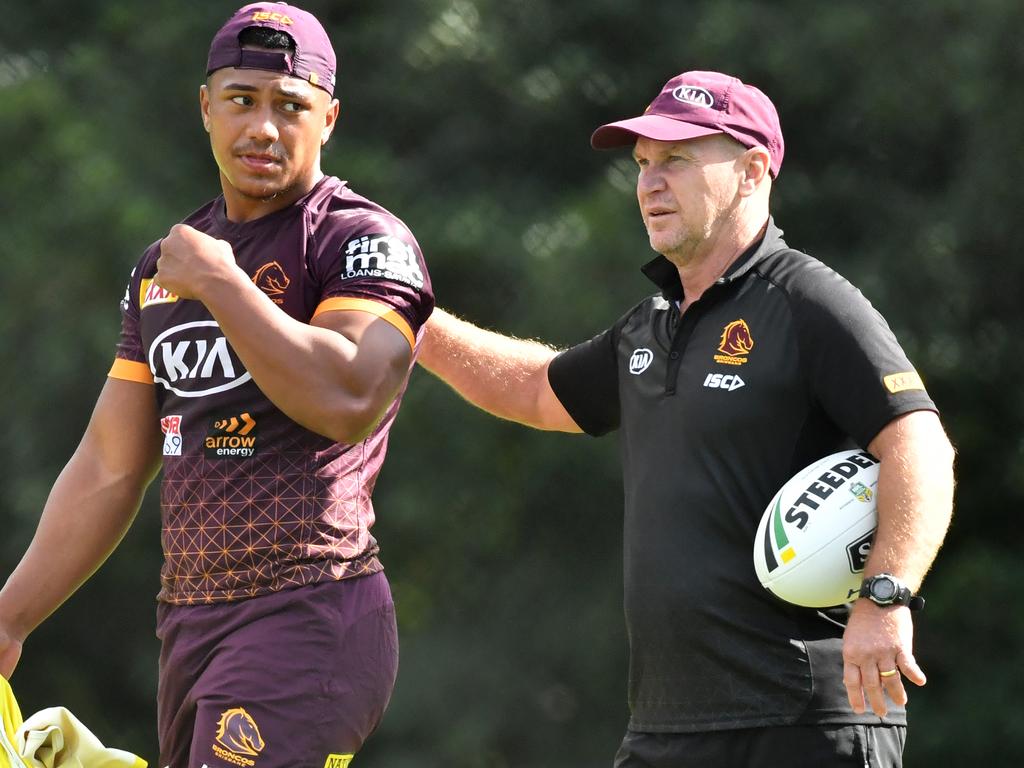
{"type": "Point", "coordinates": [313, 59]}
{"type": "Point", "coordinates": [696, 104]}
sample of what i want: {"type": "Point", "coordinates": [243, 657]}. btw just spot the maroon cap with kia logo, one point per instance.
{"type": "Point", "coordinates": [313, 59]}
{"type": "Point", "coordinates": [696, 104]}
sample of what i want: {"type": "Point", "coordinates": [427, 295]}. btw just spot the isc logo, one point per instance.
{"type": "Point", "coordinates": [194, 360]}
{"type": "Point", "coordinates": [280, 18]}
{"type": "Point", "coordinates": [727, 381]}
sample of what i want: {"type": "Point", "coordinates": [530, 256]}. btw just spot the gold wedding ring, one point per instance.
{"type": "Point", "coordinates": [890, 673]}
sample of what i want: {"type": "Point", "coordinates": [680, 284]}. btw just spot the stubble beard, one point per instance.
{"type": "Point", "coordinates": [268, 193]}
{"type": "Point", "coordinates": [680, 247]}
{"type": "Point", "coordinates": [264, 198]}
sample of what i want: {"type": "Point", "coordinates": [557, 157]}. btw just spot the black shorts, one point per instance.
{"type": "Point", "coordinates": [797, 746]}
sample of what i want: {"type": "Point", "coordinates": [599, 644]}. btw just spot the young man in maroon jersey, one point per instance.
{"type": "Point", "coordinates": [266, 343]}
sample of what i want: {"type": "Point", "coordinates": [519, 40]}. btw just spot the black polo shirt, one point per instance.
{"type": "Point", "coordinates": [780, 362]}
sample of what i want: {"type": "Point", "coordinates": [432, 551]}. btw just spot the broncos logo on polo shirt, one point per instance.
{"type": "Point", "coordinates": [736, 341]}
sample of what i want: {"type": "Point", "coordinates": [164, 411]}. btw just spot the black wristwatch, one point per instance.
{"type": "Point", "coordinates": [886, 589]}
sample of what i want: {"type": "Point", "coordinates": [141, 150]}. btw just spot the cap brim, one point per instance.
{"type": "Point", "coordinates": [625, 132]}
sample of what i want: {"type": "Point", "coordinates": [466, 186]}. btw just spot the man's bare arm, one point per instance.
{"type": "Point", "coordinates": [504, 376]}
{"type": "Point", "coordinates": [915, 505]}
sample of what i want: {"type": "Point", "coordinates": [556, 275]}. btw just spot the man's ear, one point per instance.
{"type": "Point", "coordinates": [331, 121]}
{"type": "Point", "coordinates": [204, 106]}
{"type": "Point", "coordinates": [756, 164]}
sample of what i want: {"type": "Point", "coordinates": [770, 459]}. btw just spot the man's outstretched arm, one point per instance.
{"type": "Point", "coordinates": [504, 376]}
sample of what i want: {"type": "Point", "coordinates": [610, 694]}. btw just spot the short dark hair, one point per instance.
{"type": "Point", "coordinates": [263, 37]}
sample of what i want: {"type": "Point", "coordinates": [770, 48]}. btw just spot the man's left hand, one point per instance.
{"type": "Point", "coordinates": [877, 655]}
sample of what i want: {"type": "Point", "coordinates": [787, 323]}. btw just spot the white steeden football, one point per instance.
{"type": "Point", "coordinates": [816, 533]}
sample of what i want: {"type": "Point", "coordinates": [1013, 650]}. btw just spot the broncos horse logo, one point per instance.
{"type": "Point", "coordinates": [238, 732]}
{"type": "Point", "coordinates": [271, 279]}
{"type": "Point", "coordinates": [736, 339]}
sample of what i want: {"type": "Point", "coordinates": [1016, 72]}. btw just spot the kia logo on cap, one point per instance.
{"type": "Point", "coordinates": [691, 94]}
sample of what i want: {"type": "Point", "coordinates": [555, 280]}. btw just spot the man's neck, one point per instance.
{"type": "Point", "coordinates": [241, 208]}
{"type": "Point", "coordinates": [712, 260]}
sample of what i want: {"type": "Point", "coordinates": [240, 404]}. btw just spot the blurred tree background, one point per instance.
{"type": "Point", "coordinates": [470, 119]}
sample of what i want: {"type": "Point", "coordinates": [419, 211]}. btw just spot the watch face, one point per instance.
{"type": "Point", "coordinates": [883, 589]}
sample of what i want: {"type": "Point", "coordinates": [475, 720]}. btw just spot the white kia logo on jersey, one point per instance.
{"type": "Point", "coordinates": [640, 360]}
{"type": "Point", "coordinates": [382, 256]}
{"type": "Point", "coordinates": [691, 94]}
{"type": "Point", "coordinates": [194, 360]}
{"type": "Point", "coordinates": [728, 381]}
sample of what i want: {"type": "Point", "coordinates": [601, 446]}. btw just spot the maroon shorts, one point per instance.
{"type": "Point", "coordinates": [296, 679]}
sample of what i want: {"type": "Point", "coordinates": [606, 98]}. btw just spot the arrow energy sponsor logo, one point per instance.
{"type": "Point", "coordinates": [233, 437]}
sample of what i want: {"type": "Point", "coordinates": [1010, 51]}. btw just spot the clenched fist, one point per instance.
{"type": "Point", "coordinates": [191, 261]}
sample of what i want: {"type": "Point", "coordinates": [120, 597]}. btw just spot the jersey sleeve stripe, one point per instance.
{"type": "Point", "coordinates": [382, 311]}
{"type": "Point", "coordinates": [130, 370]}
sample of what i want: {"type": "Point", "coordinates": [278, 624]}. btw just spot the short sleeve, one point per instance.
{"type": "Point", "coordinates": [130, 356]}
{"type": "Point", "coordinates": [585, 380]}
{"type": "Point", "coordinates": [855, 367]}
{"type": "Point", "coordinates": [376, 266]}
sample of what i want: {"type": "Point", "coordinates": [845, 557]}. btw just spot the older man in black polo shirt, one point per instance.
{"type": "Point", "coordinates": [752, 360]}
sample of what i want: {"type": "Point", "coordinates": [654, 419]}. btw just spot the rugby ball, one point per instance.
{"type": "Point", "coordinates": [815, 535]}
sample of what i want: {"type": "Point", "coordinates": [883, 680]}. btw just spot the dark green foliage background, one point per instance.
{"type": "Point", "coordinates": [470, 119]}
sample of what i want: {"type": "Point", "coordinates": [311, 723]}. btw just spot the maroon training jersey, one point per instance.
{"type": "Point", "coordinates": [251, 501]}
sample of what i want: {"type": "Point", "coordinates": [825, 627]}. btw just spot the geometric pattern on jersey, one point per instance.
{"type": "Point", "coordinates": [238, 528]}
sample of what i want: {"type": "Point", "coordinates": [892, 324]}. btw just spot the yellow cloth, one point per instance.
{"type": "Point", "coordinates": [53, 738]}
{"type": "Point", "coordinates": [9, 757]}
